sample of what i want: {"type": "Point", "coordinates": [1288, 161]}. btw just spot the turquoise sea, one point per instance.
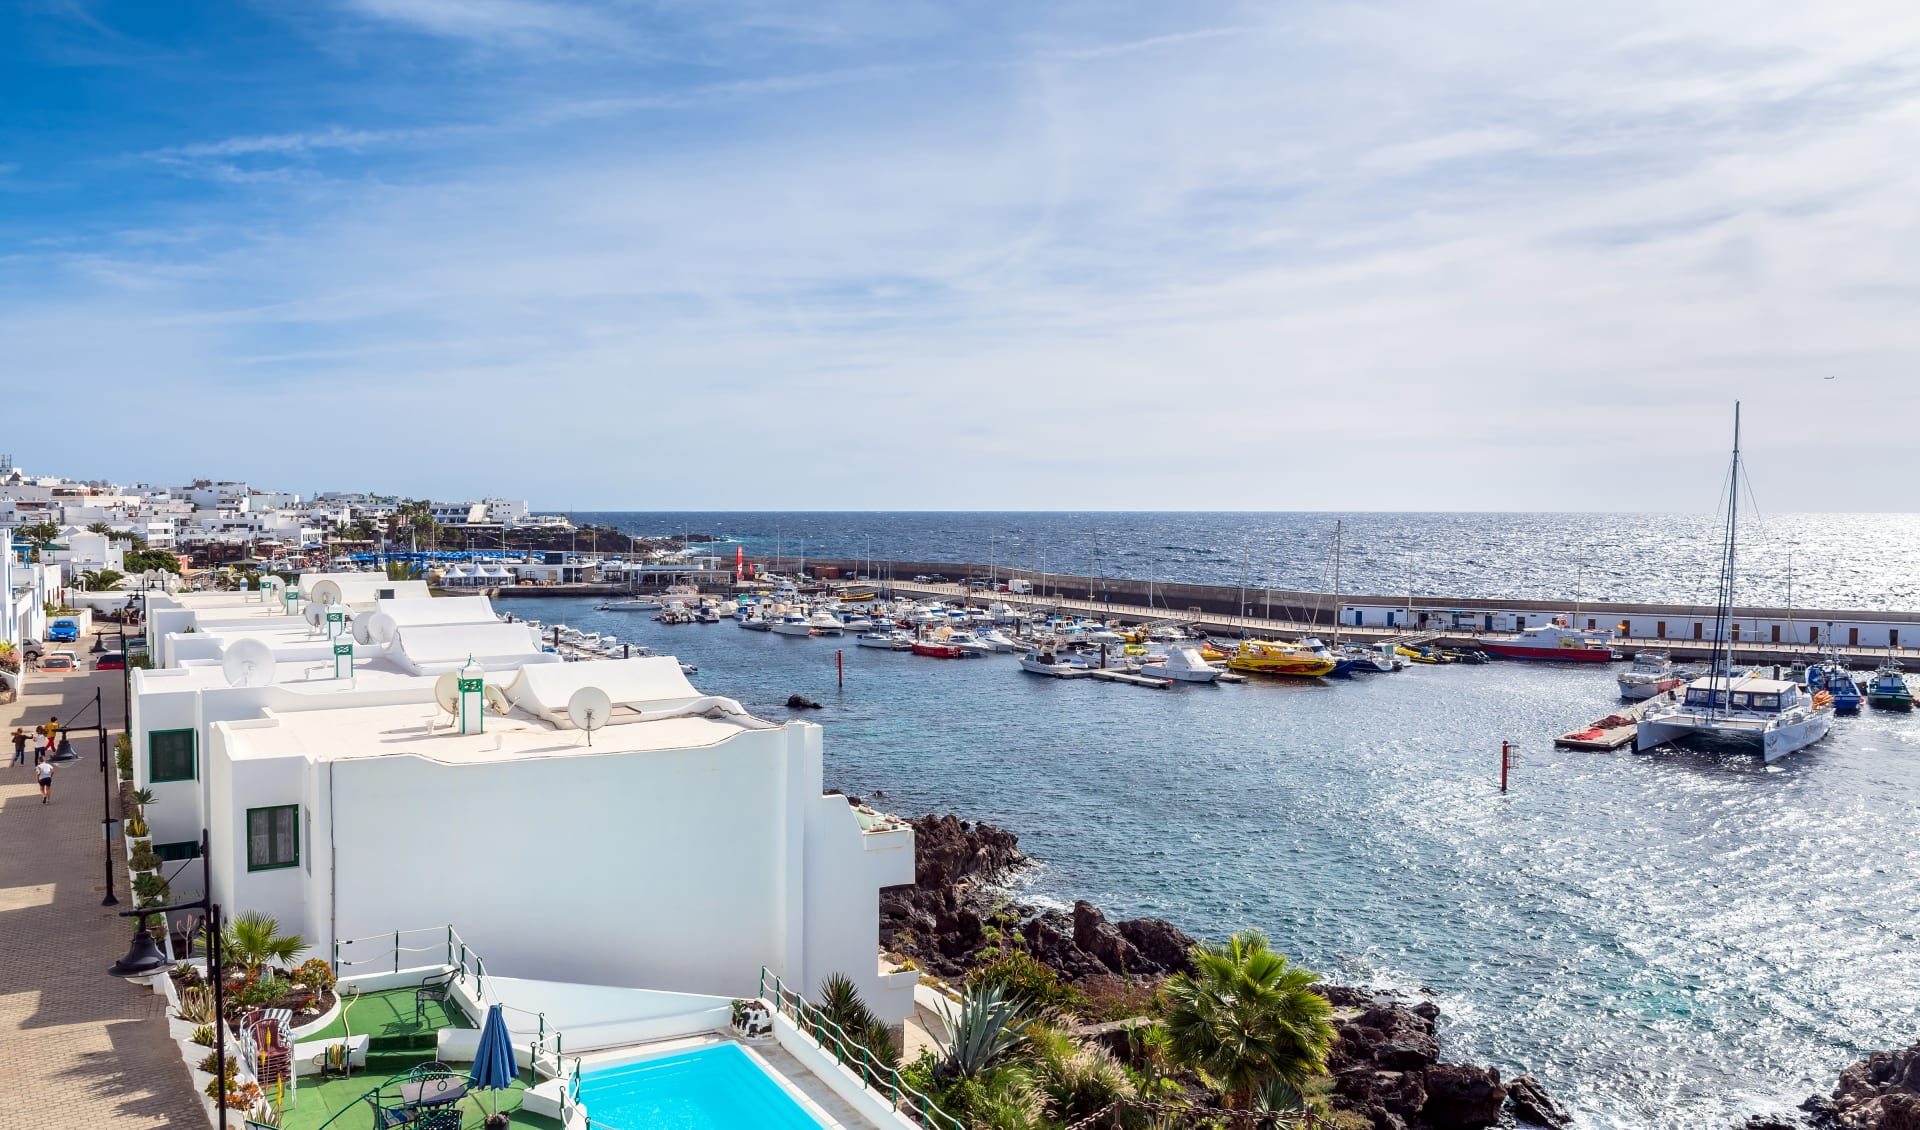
{"type": "Point", "coordinates": [1668, 941]}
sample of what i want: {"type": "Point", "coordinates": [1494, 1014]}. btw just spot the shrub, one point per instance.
{"type": "Point", "coordinates": [1022, 977]}
{"type": "Point", "coordinates": [143, 859]}
{"type": "Point", "coordinates": [196, 1005]}
{"type": "Point", "coordinates": [136, 825]}
{"type": "Point", "coordinates": [149, 886]}
{"type": "Point", "coordinates": [315, 974]}
{"type": "Point", "coordinates": [203, 1036]}
{"type": "Point", "coordinates": [1078, 1079]}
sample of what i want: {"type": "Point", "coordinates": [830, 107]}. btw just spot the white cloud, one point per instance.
{"type": "Point", "coordinates": [1418, 249]}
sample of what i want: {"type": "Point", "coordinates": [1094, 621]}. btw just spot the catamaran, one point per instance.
{"type": "Point", "coordinates": [1770, 717]}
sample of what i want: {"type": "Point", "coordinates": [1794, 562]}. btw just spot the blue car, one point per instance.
{"type": "Point", "coordinates": [63, 631]}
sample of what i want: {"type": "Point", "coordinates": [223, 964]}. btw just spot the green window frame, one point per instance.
{"type": "Point", "coordinates": [273, 837]}
{"type": "Point", "coordinates": [177, 851]}
{"type": "Point", "coordinates": [172, 755]}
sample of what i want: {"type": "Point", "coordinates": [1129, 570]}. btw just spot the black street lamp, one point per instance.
{"type": "Point", "coordinates": [144, 959]}
{"type": "Point", "coordinates": [106, 789]}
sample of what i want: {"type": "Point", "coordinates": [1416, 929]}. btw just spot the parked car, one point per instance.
{"type": "Point", "coordinates": [63, 631]}
{"type": "Point", "coordinates": [937, 579]}
{"type": "Point", "coordinates": [33, 649]}
{"type": "Point", "coordinates": [111, 661]}
{"type": "Point", "coordinates": [59, 661]}
{"type": "Point", "coordinates": [921, 579]}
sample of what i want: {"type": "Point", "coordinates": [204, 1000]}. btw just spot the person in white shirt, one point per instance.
{"type": "Point", "coordinates": [45, 772]}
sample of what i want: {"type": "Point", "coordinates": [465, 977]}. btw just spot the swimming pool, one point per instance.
{"type": "Point", "coordinates": [717, 1088]}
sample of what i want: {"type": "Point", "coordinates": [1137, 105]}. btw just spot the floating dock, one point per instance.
{"type": "Point", "coordinates": [1130, 677]}
{"type": "Point", "coordinates": [1615, 731]}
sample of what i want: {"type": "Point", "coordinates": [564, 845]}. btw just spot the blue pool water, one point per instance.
{"type": "Point", "coordinates": [718, 1088]}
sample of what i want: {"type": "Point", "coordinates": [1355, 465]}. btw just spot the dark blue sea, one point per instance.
{"type": "Point", "coordinates": [1837, 560]}
{"type": "Point", "coordinates": [1669, 941]}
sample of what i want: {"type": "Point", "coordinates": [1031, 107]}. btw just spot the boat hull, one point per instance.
{"type": "Point", "coordinates": [1549, 654]}
{"type": "Point", "coordinates": [1639, 689]}
{"type": "Point", "coordinates": [1283, 668]}
{"type": "Point", "coordinates": [1054, 670]}
{"type": "Point", "coordinates": [1771, 744]}
{"type": "Point", "coordinates": [792, 629]}
{"type": "Point", "coordinates": [936, 650]}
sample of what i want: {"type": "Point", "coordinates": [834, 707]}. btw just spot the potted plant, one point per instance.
{"type": "Point", "coordinates": [751, 1020]}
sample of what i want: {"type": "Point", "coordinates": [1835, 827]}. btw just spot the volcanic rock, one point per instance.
{"type": "Point", "coordinates": [1462, 1097]}
{"type": "Point", "coordinates": [1532, 1105]}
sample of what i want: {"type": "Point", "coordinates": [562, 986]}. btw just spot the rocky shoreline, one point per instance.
{"type": "Point", "coordinates": [1881, 1092]}
{"type": "Point", "coordinates": [1386, 1065]}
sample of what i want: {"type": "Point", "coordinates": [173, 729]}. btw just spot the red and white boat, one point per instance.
{"type": "Point", "coordinates": [936, 649]}
{"type": "Point", "coordinates": [1556, 642]}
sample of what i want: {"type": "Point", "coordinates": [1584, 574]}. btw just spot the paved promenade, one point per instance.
{"type": "Point", "coordinates": [78, 1048]}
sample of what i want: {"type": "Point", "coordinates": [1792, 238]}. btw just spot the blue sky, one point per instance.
{"type": "Point", "coordinates": [1443, 255]}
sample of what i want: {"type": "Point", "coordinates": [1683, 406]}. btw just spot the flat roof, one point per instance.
{"type": "Point", "coordinates": [351, 733]}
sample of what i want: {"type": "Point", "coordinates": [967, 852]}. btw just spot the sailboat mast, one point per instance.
{"type": "Point", "coordinates": [1336, 583]}
{"type": "Point", "coordinates": [1723, 614]}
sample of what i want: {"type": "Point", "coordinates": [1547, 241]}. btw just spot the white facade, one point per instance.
{"type": "Point", "coordinates": [685, 848]}
{"type": "Point", "coordinates": [1677, 623]}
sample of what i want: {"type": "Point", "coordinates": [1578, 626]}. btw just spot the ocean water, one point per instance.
{"type": "Point", "coordinates": [1869, 561]}
{"type": "Point", "coordinates": [1667, 941]}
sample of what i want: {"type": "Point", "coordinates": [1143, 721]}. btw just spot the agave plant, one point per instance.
{"type": "Point", "coordinates": [984, 1027]}
{"type": "Point", "coordinates": [196, 1006]}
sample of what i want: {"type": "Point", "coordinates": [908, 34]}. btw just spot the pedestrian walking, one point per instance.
{"type": "Point", "coordinates": [49, 732]}
{"type": "Point", "coordinates": [19, 746]}
{"type": "Point", "coordinates": [45, 770]}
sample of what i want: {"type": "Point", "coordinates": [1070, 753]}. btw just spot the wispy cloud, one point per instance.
{"type": "Point", "coordinates": [496, 21]}
{"type": "Point", "coordinates": [1458, 226]}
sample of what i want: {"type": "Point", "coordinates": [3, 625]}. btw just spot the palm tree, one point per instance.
{"type": "Point", "coordinates": [254, 939]}
{"type": "Point", "coordinates": [99, 528]}
{"type": "Point", "coordinates": [1245, 1017]}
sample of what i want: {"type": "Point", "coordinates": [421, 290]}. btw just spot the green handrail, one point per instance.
{"type": "Point", "coordinates": [811, 1020]}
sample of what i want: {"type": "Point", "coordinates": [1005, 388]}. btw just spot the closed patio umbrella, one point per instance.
{"type": "Point", "coordinates": [493, 1066]}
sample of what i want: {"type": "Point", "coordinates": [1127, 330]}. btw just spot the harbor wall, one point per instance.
{"type": "Point", "coordinates": [1757, 625]}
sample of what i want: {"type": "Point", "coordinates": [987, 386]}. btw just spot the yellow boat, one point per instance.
{"type": "Point", "coordinates": [1271, 657]}
{"type": "Point", "coordinates": [1211, 653]}
{"type": "Point", "coordinates": [851, 597]}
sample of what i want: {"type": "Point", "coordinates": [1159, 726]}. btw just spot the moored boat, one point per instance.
{"type": "Point", "coordinates": [1888, 689]}
{"type": "Point", "coordinates": [1770, 717]}
{"type": "Point", "coordinates": [936, 649]}
{"type": "Point", "coordinates": [792, 624]}
{"type": "Point", "coordinates": [1271, 657]}
{"type": "Point", "coordinates": [1182, 664]}
{"type": "Point", "coordinates": [1652, 673]}
{"type": "Point", "coordinates": [1833, 677]}
{"type": "Point", "coordinates": [1046, 661]}
{"type": "Point", "coordinates": [885, 641]}
{"type": "Point", "coordinates": [1555, 642]}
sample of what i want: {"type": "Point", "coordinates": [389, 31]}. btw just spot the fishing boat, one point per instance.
{"type": "Point", "coordinates": [792, 624]}
{"type": "Point", "coordinates": [1556, 642]}
{"type": "Point", "coordinates": [1182, 664]}
{"type": "Point", "coordinates": [1769, 717]}
{"type": "Point", "coordinates": [885, 641]}
{"type": "Point", "coordinates": [1652, 673]}
{"type": "Point", "coordinates": [1271, 657]}
{"type": "Point", "coordinates": [1834, 677]}
{"type": "Point", "coordinates": [1888, 689]}
{"type": "Point", "coordinates": [1046, 661]}
{"type": "Point", "coordinates": [936, 649]}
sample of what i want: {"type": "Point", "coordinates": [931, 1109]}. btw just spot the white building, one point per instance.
{"type": "Point", "coordinates": [681, 847]}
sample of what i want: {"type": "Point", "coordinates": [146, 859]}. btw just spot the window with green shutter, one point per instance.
{"type": "Point", "coordinates": [170, 755]}
{"type": "Point", "coordinates": [178, 850]}
{"type": "Point", "coordinates": [273, 837]}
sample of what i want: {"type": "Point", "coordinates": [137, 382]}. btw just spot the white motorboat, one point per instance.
{"type": "Point", "coordinates": [1183, 664]}
{"type": "Point", "coordinates": [793, 624]}
{"type": "Point", "coordinates": [855, 622]}
{"type": "Point", "coordinates": [637, 604]}
{"type": "Point", "coordinates": [825, 623]}
{"type": "Point", "coordinates": [1652, 673]}
{"type": "Point", "coordinates": [1371, 659]}
{"type": "Point", "coordinates": [1770, 717]}
{"type": "Point", "coordinates": [969, 644]}
{"type": "Point", "coordinates": [895, 640]}
{"type": "Point", "coordinates": [1001, 614]}
{"type": "Point", "coordinates": [1052, 663]}
{"type": "Point", "coordinates": [999, 639]}
{"type": "Point", "coordinates": [709, 613]}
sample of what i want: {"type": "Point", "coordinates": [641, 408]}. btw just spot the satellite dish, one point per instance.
{"type": "Point", "coordinates": [381, 627]}
{"type": "Point", "coordinates": [498, 699]}
{"type": "Point", "coordinates": [446, 692]}
{"type": "Point", "coordinates": [363, 631]}
{"type": "Point", "coordinates": [315, 615]}
{"type": "Point", "coordinates": [324, 592]}
{"type": "Point", "coordinates": [248, 663]}
{"type": "Point", "coordinates": [589, 709]}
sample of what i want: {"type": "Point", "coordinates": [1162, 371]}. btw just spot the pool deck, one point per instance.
{"type": "Point", "coordinates": [318, 1102]}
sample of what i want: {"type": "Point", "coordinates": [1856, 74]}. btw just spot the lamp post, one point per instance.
{"type": "Point", "coordinates": [144, 959]}
{"type": "Point", "coordinates": [106, 791]}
